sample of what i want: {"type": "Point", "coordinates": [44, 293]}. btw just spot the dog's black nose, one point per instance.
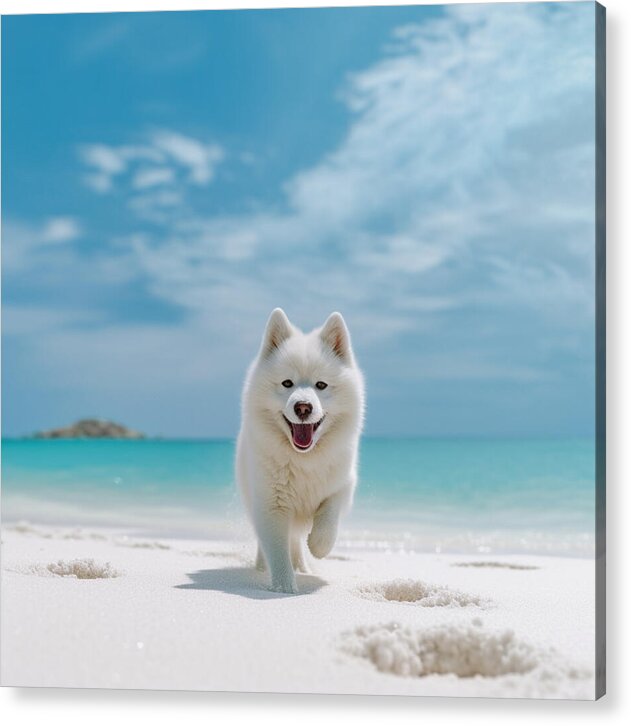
{"type": "Point", "coordinates": [303, 409]}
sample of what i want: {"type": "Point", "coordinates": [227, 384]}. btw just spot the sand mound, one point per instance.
{"type": "Point", "coordinates": [24, 527]}
{"type": "Point", "coordinates": [219, 555]}
{"type": "Point", "coordinates": [464, 651]}
{"type": "Point", "coordinates": [142, 544]}
{"type": "Point", "coordinates": [82, 569]}
{"type": "Point", "coordinates": [419, 593]}
{"type": "Point", "coordinates": [503, 565]}
{"type": "Point", "coordinates": [340, 558]}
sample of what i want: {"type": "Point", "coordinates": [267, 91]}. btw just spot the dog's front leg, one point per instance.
{"type": "Point", "coordinates": [272, 529]}
{"type": "Point", "coordinates": [325, 523]}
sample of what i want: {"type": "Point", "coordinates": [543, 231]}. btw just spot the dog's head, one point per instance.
{"type": "Point", "coordinates": [308, 384]}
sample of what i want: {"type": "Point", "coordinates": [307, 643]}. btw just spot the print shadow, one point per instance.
{"type": "Point", "coordinates": [246, 582]}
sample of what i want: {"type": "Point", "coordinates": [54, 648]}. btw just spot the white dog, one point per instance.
{"type": "Point", "coordinates": [302, 412]}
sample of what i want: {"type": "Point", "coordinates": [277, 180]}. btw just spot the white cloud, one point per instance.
{"type": "Point", "coordinates": [146, 178]}
{"type": "Point", "coordinates": [41, 258]}
{"type": "Point", "coordinates": [100, 183]}
{"type": "Point", "coordinates": [166, 159]}
{"type": "Point", "coordinates": [200, 159]}
{"type": "Point", "coordinates": [105, 159]}
{"type": "Point", "coordinates": [60, 229]}
{"type": "Point", "coordinates": [26, 244]}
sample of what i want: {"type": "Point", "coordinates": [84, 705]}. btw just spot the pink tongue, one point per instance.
{"type": "Point", "coordinates": [302, 434]}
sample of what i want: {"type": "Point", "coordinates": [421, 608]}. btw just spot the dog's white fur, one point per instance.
{"type": "Point", "coordinates": [289, 492]}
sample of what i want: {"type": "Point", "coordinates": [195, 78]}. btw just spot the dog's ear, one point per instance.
{"type": "Point", "coordinates": [335, 335]}
{"type": "Point", "coordinates": [277, 330]}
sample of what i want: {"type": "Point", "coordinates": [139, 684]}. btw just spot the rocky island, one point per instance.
{"type": "Point", "coordinates": [91, 428]}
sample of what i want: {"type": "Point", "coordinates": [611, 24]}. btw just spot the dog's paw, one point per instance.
{"type": "Point", "coordinates": [321, 541]}
{"type": "Point", "coordinates": [288, 587]}
{"type": "Point", "coordinates": [260, 563]}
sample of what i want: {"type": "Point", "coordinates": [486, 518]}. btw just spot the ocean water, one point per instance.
{"type": "Point", "coordinates": [436, 495]}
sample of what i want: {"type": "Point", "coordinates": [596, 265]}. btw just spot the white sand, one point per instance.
{"type": "Point", "coordinates": [98, 609]}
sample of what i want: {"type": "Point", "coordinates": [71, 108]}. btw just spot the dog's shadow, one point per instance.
{"type": "Point", "coordinates": [246, 582]}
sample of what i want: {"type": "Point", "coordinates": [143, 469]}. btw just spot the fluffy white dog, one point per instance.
{"type": "Point", "coordinates": [302, 412]}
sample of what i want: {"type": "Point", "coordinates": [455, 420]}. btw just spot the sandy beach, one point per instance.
{"type": "Point", "coordinates": [99, 608]}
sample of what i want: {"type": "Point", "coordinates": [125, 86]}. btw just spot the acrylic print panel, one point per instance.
{"type": "Point", "coordinates": [389, 484]}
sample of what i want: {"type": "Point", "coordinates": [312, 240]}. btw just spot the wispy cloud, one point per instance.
{"type": "Point", "coordinates": [165, 158]}
{"type": "Point", "coordinates": [60, 229]}
{"type": "Point", "coordinates": [100, 41]}
{"type": "Point", "coordinates": [52, 270]}
{"type": "Point", "coordinates": [144, 47]}
{"type": "Point", "coordinates": [146, 178]}
{"type": "Point", "coordinates": [469, 154]}
{"type": "Point", "coordinates": [197, 158]}
{"type": "Point", "coordinates": [26, 244]}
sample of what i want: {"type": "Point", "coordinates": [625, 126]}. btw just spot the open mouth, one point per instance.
{"type": "Point", "coordinates": [302, 433]}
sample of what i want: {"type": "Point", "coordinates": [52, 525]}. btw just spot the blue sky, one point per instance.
{"type": "Point", "coordinates": [168, 179]}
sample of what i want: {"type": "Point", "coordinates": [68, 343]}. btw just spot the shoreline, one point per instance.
{"type": "Point", "coordinates": [355, 534]}
{"type": "Point", "coordinates": [194, 615]}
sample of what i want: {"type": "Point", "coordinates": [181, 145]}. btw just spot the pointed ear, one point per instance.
{"type": "Point", "coordinates": [278, 329]}
{"type": "Point", "coordinates": [335, 335]}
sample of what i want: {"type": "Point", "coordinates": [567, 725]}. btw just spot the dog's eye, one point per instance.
{"type": "Point", "coordinates": [321, 385]}
{"type": "Point", "coordinates": [287, 383]}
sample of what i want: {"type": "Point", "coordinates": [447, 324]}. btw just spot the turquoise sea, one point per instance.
{"type": "Point", "coordinates": [449, 495]}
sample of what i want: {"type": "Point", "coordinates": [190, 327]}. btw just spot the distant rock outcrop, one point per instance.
{"type": "Point", "coordinates": [91, 428]}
